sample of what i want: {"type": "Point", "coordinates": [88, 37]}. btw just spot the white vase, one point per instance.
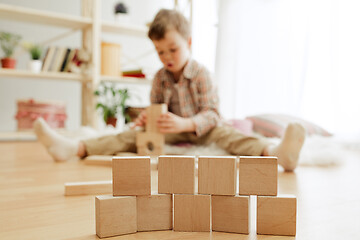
{"type": "Point", "coordinates": [122, 18]}
{"type": "Point", "coordinates": [35, 66]}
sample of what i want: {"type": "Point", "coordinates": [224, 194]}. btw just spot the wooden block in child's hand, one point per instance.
{"type": "Point", "coordinates": [276, 215]}
{"type": "Point", "coordinates": [176, 174]}
{"type": "Point", "coordinates": [230, 214]}
{"type": "Point", "coordinates": [153, 112]}
{"type": "Point", "coordinates": [115, 215]}
{"type": "Point", "coordinates": [150, 143]}
{"type": "Point", "coordinates": [258, 176]}
{"type": "Point", "coordinates": [217, 175]}
{"type": "Point", "coordinates": [131, 176]}
{"type": "Point", "coordinates": [154, 212]}
{"type": "Point", "coordinates": [191, 213]}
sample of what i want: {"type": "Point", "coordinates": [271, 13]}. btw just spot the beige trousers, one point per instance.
{"type": "Point", "coordinates": [225, 137]}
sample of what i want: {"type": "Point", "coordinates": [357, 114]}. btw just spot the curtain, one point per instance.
{"type": "Point", "coordinates": [295, 57]}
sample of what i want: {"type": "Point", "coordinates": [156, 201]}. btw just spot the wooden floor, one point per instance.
{"type": "Point", "coordinates": [33, 205]}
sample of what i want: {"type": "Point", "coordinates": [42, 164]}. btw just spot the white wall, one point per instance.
{"type": "Point", "coordinates": [12, 89]}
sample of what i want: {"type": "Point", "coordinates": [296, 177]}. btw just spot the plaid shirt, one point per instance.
{"type": "Point", "coordinates": [197, 96]}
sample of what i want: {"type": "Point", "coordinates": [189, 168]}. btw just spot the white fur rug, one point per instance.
{"type": "Point", "coordinates": [317, 150]}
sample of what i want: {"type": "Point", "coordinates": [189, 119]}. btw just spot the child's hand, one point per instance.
{"type": "Point", "coordinates": [140, 120]}
{"type": "Point", "coordinates": [171, 123]}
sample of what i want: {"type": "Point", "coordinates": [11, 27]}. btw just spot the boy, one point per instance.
{"type": "Point", "coordinates": [186, 87]}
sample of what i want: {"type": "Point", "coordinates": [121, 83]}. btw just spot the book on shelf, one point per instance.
{"type": "Point", "coordinates": [55, 67]}
{"type": "Point", "coordinates": [48, 58]}
{"type": "Point", "coordinates": [136, 73]}
{"type": "Point", "coordinates": [66, 60]}
{"type": "Point", "coordinates": [60, 59]}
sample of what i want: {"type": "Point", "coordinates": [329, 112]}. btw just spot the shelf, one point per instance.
{"type": "Point", "coordinates": [22, 14]}
{"type": "Point", "coordinates": [47, 75]}
{"type": "Point", "coordinates": [134, 30]}
{"type": "Point", "coordinates": [125, 80]}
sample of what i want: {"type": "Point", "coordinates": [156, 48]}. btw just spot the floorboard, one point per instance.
{"type": "Point", "coordinates": [33, 205]}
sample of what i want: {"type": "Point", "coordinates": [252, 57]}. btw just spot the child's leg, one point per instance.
{"type": "Point", "coordinates": [62, 149]}
{"type": "Point", "coordinates": [234, 142]}
{"type": "Point", "coordinates": [59, 147]}
{"type": "Point", "coordinates": [289, 149]}
{"type": "Point", "coordinates": [238, 144]}
{"type": "Point", "coordinates": [111, 144]}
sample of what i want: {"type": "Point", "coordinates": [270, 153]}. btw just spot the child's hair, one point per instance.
{"type": "Point", "coordinates": [166, 20]}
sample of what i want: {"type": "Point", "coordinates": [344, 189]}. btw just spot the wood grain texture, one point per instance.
{"type": "Point", "coordinates": [154, 212]}
{"type": "Point", "coordinates": [103, 160]}
{"type": "Point", "coordinates": [153, 112]}
{"type": "Point", "coordinates": [217, 175]}
{"type": "Point", "coordinates": [131, 176]}
{"type": "Point", "coordinates": [258, 176]}
{"type": "Point", "coordinates": [191, 213]}
{"type": "Point", "coordinates": [115, 215]}
{"type": "Point", "coordinates": [230, 214]}
{"type": "Point", "coordinates": [176, 174]}
{"type": "Point", "coordinates": [276, 215]}
{"type": "Point", "coordinates": [88, 188]}
{"type": "Point", "coordinates": [150, 143]}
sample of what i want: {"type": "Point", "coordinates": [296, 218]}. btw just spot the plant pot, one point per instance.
{"type": "Point", "coordinates": [111, 121]}
{"type": "Point", "coordinates": [122, 18]}
{"type": "Point", "coordinates": [35, 66]}
{"type": "Point", "coordinates": [8, 63]}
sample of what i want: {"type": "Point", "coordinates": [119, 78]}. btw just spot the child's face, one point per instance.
{"type": "Point", "coordinates": [173, 51]}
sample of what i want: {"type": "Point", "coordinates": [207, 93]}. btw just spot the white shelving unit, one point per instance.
{"type": "Point", "coordinates": [92, 26]}
{"type": "Point", "coordinates": [42, 75]}
{"type": "Point", "coordinates": [23, 14]}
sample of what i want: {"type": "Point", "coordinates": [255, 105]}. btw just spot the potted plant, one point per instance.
{"type": "Point", "coordinates": [8, 42]}
{"type": "Point", "coordinates": [111, 102]}
{"type": "Point", "coordinates": [35, 51]}
{"type": "Point", "coordinates": [121, 13]}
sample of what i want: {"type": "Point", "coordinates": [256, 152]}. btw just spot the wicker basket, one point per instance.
{"type": "Point", "coordinates": [28, 110]}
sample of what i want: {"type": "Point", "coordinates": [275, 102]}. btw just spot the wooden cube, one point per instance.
{"type": "Point", "coordinates": [258, 176]}
{"type": "Point", "coordinates": [276, 215]}
{"type": "Point", "coordinates": [154, 212]}
{"type": "Point", "coordinates": [150, 143]}
{"type": "Point", "coordinates": [230, 214]}
{"type": "Point", "coordinates": [131, 176]}
{"type": "Point", "coordinates": [217, 175]}
{"type": "Point", "coordinates": [176, 174]}
{"type": "Point", "coordinates": [192, 213]}
{"type": "Point", "coordinates": [115, 215]}
{"type": "Point", "coordinates": [153, 112]}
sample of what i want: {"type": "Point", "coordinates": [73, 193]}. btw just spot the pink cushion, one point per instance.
{"type": "Point", "coordinates": [274, 125]}
{"type": "Point", "coordinates": [244, 126]}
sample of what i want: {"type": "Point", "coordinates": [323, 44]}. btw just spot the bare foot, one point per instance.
{"type": "Point", "coordinates": [289, 149]}
{"type": "Point", "coordinates": [59, 147]}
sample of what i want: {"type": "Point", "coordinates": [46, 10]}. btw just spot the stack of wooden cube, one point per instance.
{"type": "Point", "coordinates": [216, 206]}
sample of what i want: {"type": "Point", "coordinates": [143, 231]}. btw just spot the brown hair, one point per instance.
{"type": "Point", "coordinates": [166, 20]}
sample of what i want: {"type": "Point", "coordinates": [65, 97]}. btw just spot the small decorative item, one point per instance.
{"type": "Point", "coordinates": [111, 102]}
{"type": "Point", "coordinates": [35, 52]}
{"type": "Point", "coordinates": [121, 13]}
{"type": "Point", "coordinates": [8, 42]}
{"type": "Point", "coordinates": [81, 62]}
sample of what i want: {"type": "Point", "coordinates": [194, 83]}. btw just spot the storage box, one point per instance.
{"type": "Point", "coordinates": [28, 110]}
{"type": "Point", "coordinates": [110, 59]}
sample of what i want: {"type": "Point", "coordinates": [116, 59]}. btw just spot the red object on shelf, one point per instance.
{"type": "Point", "coordinates": [8, 63]}
{"type": "Point", "coordinates": [28, 110]}
{"type": "Point", "coordinates": [140, 75]}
